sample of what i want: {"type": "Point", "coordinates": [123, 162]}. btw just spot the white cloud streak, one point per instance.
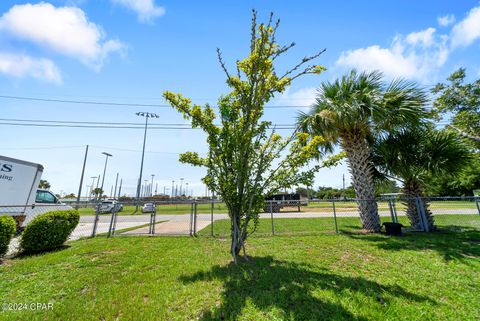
{"type": "Point", "coordinates": [64, 30]}
{"type": "Point", "coordinates": [467, 31]}
{"type": "Point", "coordinates": [23, 66]}
{"type": "Point", "coordinates": [146, 10]}
{"type": "Point", "coordinates": [445, 21]}
{"type": "Point", "coordinates": [417, 55]}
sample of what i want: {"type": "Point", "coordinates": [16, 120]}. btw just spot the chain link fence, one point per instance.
{"type": "Point", "coordinates": [343, 215]}
{"type": "Point", "coordinates": [210, 218]}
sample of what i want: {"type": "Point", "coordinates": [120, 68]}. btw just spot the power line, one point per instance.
{"type": "Point", "coordinates": [109, 127]}
{"type": "Point", "coordinates": [111, 103]}
{"type": "Point", "coordinates": [104, 123]}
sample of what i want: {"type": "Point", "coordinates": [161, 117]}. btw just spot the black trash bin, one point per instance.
{"type": "Point", "coordinates": [393, 228]}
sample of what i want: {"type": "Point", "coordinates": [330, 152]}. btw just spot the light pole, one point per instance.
{"type": "Point", "coordinates": [145, 188]}
{"type": "Point", "coordinates": [151, 186]}
{"type": "Point", "coordinates": [107, 155]}
{"type": "Point", "coordinates": [147, 116]}
{"type": "Point", "coordinates": [181, 184]}
{"type": "Point", "coordinates": [186, 188]}
{"type": "Point", "coordinates": [173, 188]}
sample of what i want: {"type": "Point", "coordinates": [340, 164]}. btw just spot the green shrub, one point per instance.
{"type": "Point", "coordinates": [7, 229]}
{"type": "Point", "coordinates": [49, 230]}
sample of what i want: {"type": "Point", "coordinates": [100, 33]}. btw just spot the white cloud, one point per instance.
{"type": "Point", "coordinates": [65, 30]}
{"type": "Point", "coordinates": [445, 21]}
{"type": "Point", "coordinates": [21, 66]}
{"type": "Point", "coordinates": [467, 31]}
{"type": "Point", "coordinates": [145, 9]}
{"type": "Point", "coordinates": [424, 37]}
{"type": "Point", "coordinates": [416, 55]}
{"type": "Point", "coordinates": [302, 98]}
{"type": "Point", "coordinates": [419, 54]}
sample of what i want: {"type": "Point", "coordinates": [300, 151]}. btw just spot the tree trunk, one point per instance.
{"type": "Point", "coordinates": [358, 156]}
{"type": "Point", "coordinates": [412, 190]}
{"type": "Point", "coordinates": [237, 241]}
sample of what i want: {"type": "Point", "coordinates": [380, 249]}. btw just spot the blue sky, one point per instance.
{"type": "Point", "coordinates": [130, 51]}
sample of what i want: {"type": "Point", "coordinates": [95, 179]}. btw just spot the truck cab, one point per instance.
{"type": "Point", "coordinates": [46, 197]}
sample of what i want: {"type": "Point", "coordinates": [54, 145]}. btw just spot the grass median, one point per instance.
{"type": "Point", "coordinates": [333, 277]}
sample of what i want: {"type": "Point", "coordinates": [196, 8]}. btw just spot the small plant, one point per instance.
{"type": "Point", "coordinates": [49, 231]}
{"type": "Point", "coordinates": [7, 229]}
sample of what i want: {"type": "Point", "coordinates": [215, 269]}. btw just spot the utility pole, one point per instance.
{"type": "Point", "coordinates": [120, 188]}
{"type": "Point", "coordinates": [81, 177]}
{"type": "Point", "coordinates": [151, 187]}
{"type": "Point", "coordinates": [89, 191]}
{"type": "Point", "coordinates": [98, 182]}
{"type": "Point", "coordinates": [116, 181]}
{"type": "Point", "coordinates": [107, 155]}
{"type": "Point", "coordinates": [146, 115]}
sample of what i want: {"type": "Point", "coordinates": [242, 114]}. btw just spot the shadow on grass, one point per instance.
{"type": "Point", "coordinates": [452, 242]}
{"type": "Point", "coordinates": [270, 284]}
{"type": "Point", "coordinates": [26, 254]}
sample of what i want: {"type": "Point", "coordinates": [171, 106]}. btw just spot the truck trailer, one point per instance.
{"type": "Point", "coordinates": [19, 193]}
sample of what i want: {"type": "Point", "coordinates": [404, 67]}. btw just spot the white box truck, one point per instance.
{"type": "Point", "coordinates": [19, 193]}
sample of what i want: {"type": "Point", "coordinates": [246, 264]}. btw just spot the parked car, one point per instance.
{"type": "Point", "coordinates": [109, 205]}
{"type": "Point", "coordinates": [148, 208]}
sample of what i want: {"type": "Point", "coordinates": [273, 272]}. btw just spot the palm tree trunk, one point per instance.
{"type": "Point", "coordinates": [360, 167]}
{"type": "Point", "coordinates": [412, 189]}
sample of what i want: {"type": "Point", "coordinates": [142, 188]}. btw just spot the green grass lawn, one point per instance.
{"type": "Point", "coordinates": [322, 206]}
{"type": "Point", "coordinates": [322, 225]}
{"type": "Point", "coordinates": [421, 276]}
{"type": "Point", "coordinates": [166, 209]}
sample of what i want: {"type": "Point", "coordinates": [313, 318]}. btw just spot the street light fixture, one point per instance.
{"type": "Point", "coordinates": [107, 155]}
{"type": "Point", "coordinates": [147, 116]}
{"type": "Point", "coordinates": [151, 186]}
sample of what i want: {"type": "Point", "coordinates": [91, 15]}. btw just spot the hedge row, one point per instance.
{"type": "Point", "coordinates": [7, 229]}
{"type": "Point", "coordinates": [49, 230]}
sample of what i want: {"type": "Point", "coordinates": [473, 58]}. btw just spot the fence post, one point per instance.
{"type": "Point", "coordinates": [154, 219]}
{"type": "Point", "coordinates": [335, 216]}
{"type": "Point", "coordinates": [191, 219]}
{"type": "Point", "coordinates": [95, 221]}
{"type": "Point", "coordinates": [112, 219]}
{"type": "Point", "coordinates": [395, 211]}
{"type": "Point", "coordinates": [195, 218]}
{"type": "Point", "coordinates": [114, 223]}
{"type": "Point", "coordinates": [421, 212]}
{"type": "Point", "coordinates": [211, 219]}
{"type": "Point", "coordinates": [271, 215]}
{"type": "Point", "coordinates": [392, 214]}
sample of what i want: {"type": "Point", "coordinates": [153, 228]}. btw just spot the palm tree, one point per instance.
{"type": "Point", "coordinates": [44, 184]}
{"type": "Point", "coordinates": [350, 112]}
{"type": "Point", "coordinates": [410, 156]}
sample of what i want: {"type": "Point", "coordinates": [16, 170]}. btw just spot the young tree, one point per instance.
{"type": "Point", "coordinates": [461, 101]}
{"type": "Point", "coordinates": [350, 112]}
{"type": "Point", "coordinates": [412, 155]}
{"type": "Point", "coordinates": [247, 158]}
